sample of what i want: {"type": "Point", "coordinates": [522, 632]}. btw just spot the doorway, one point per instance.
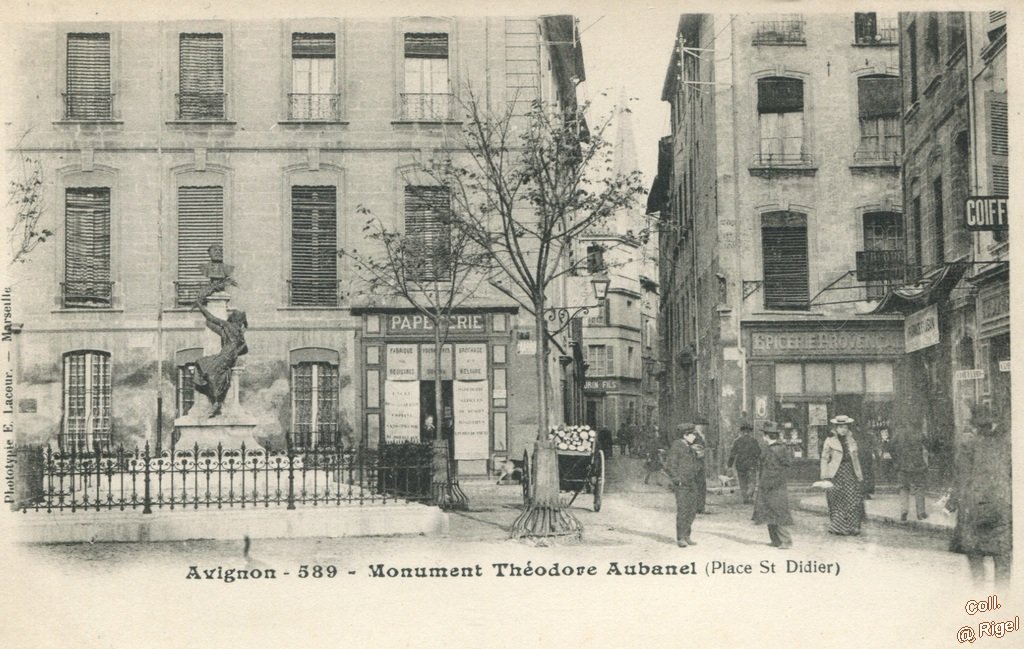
{"type": "Point", "coordinates": [428, 416]}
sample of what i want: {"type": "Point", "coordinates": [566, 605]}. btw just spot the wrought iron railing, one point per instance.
{"type": "Point", "coordinates": [201, 105]}
{"type": "Point", "coordinates": [106, 479]}
{"type": "Point", "coordinates": [314, 292]}
{"type": "Point", "coordinates": [882, 157]}
{"type": "Point", "coordinates": [427, 106]}
{"type": "Point", "coordinates": [785, 30]}
{"type": "Point", "coordinates": [313, 106]}
{"type": "Point", "coordinates": [88, 105]}
{"type": "Point", "coordinates": [783, 160]}
{"type": "Point", "coordinates": [86, 294]}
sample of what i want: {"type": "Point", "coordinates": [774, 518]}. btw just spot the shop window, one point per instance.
{"type": "Point", "coordinates": [200, 225]}
{"type": "Point", "coordinates": [878, 378]}
{"type": "Point", "coordinates": [373, 388]}
{"type": "Point", "coordinates": [427, 93]}
{"type": "Point", "coordinates": [878, 99]}
{"type": "Point", "coordinates": [789, 378]}
{"type": "Point", "coordinates": [87, 95]}
{"type": "Point", "coordinates": [780, 107]}
{"type": "Point", "coordinates": [314, 263]}
{"type": "Point", "coordinates": [818, 379]}
{"type": "Point", "coordinates": [784, 254]}
{"type": "Point", "coordinates": [314, 391]}
{"type": "Point", "coordinates": [314, 94]}
{"type": "Point", "coordinates": [86, 248]}
{"type": "Point", "coordinates": [86, 400]}
{"type": "Point", "coordinates": [849, 378]}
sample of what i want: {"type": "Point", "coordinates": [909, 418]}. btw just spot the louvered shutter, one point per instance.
{"type": "Point", "coordinates": [201, 76]}
{"type": "Point", "coordinates": [780, 95]}
{"type": "Point", "coordinates": [87, 247]}
{"type": "Point", "coordinates": [999, 143]}
{"type": "Point", "coordinates": [200, 225]}
{"type": "Point", "coordinates": [427, 212]}
{"type": "Point", "coordinates": [314, 246]}
{"type": "Point", "coordinates": [88, 77]}
{"type": "Point", "coordinates": [784, 247]}
{"type": "Point", "coordinates": [312, 46]}
{"type": "Point", "coordinates": [426, 46]}
{"type": "Point", "coordinates": [878, 96]}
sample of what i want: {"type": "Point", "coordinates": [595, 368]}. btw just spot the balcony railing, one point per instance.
{"type": "Point", "coordinates": [880, 265]}
{"type": "Point", "coordinates": [314, 292]}
{"type": "Point", "coordinates": [783, 160]}
{"type": "Point", "coordinates": [880, 157]}
{"type": "Point", "coordinates": [88, 106]}
{"type": "Point", "coordinates": [86, 294]}
{"type": "Point", "coordinates": [314, 106]}
{"type": "Point", "coordinates": [427, 106]}
{"type": "Point", "coordinates": [788, 30]}
{"type": "Point", "coordinates": [201, 105]}
{"type": "Point", "coordinates": [186, 293]}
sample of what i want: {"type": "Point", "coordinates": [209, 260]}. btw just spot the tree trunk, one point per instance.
{"type": "Point", "coordinates": [447, 492]}
{"type": "Point", "coordinates": [543, 379]}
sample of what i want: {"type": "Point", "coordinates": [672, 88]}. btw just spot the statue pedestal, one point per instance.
{"type": "Point", "coordinates": [230, 431]}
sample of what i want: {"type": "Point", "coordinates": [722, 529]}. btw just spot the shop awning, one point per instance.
{"type": "Point", "coordinates": [932, 287]}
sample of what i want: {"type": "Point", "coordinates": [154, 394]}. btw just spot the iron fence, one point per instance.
{"type": "Point", "coordinates": [107, 479]}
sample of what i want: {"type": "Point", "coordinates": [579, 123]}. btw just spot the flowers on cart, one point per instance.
{"type": "Point", "coordinates": [573, 438]}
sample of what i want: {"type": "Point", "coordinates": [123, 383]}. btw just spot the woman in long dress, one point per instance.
{"type": "Point", "coordinates": [212, 376]}
{"type": "Point", "coordinates": [840, 464]}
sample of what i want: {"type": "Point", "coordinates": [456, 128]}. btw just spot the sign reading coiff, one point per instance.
{"type": "Point", "coordinates": [922, 328]}
{"type": "Point", "coordinates": [986, 213]}
{"type": "Point", "coordinates": [826, 343]}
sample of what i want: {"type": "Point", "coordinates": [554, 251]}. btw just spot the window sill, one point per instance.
{"type": "Point", "coordinates": [765, 171]}
{"type": "Point", "coordinates": [312, 122]}
{"type": "Point", "coordinates": [768, 43]}
{"type": "Point", "coordinates": [313, 308]}
{"type": "Point", "coordinates": [88, 122]}
{"type": "Point", "coordinates": [201, 122]}
{"type": "Point", "coordinates": [427, 122]}
{"type": "Point", "coordinates": [98, 309]}
{"type": "Point", "coordinates": [876, 44]}
{"type": "Point", "coordinates": [878, 164]}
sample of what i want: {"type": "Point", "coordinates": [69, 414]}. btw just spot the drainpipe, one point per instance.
{"type": "Point", "coordinates": [160, 254]}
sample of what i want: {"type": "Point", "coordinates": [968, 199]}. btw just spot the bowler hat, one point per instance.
{"type": "Point", "coordinates": [685, 427]}
{"type": "Point", "coordinates": [770, 427]}
{"type": "Point", "coordinates": [841, 419]}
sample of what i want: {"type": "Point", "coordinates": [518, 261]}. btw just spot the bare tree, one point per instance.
{"type": "Point", "coordinates": [524, 189]}
{"type": "Point", "coordinates": [26, 196]}
{"type": "Point", "coordinates": [435, 271]}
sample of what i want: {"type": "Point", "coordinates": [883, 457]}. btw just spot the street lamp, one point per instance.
{"type": "Point", "coordinates": [564, 315]}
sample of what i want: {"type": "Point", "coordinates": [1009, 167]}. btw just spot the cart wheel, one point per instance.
{"type": "Point", "coordinates": [524, 479]}
{"type": "Point", "coordinates": [598, 479]}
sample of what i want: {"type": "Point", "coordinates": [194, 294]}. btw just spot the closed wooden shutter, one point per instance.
{"type": "Point", "coordinates": [314, 246]}
{"type": "Point", "coordinates": [784, 247]}
{"type": "Point", "coordinates": [200, 225]}
{"type": "Point", "coordinates": [426, 46]}
{"type": "Point", "coordinates": [999, 146]}
{"type": "Point", "coordinates": [878, 96]}
{"type": "Point", "coordinates": [88, 77]}
{"type": "Point", "coordinates": [780, 95]}
{"type": "Point", "coordinates": [87, 247]}
{"type": "Point", "coordinates": [312, 46]}
{"type": "Point", "coordinates": [201, 76]}
{"type": "Point", "coordinates": [427, 218]}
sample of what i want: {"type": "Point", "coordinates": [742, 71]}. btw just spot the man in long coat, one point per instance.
{"type": "Point", "coordinates": [771, 500]}
{"type": "Point", "coordinates": [681, 465]}
{"type": "Point", "coordinates": [744, 454]}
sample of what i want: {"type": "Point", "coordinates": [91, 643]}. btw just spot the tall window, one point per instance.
{"type": "Point", "coordinates": [955, 30]}
{"type": "Point", "coordinates": [186, 391]}
{"type": "Point", "coordinates": [314, 404]}
{"type": "Point", "coordinates": [427, 219]}
{"type": "Point", "coordinates": [915, 216]}
{"type": "Point", "coordinates": [601, 360]}
{"type": "Point", "coordinates": [201, 76]}
{"type": "Point", "coordinates": [200, 225]}
{"type": "Point", "coordinates": [931, 37]}
{"type": "Point", "coordinates": [88, 95]}
{"type": "Point", "coordinates": [999, 151]}
{"type": "Point", "coordinates": [314, 93]}
{"type": "Point", "coordinates": [938, 221]}
{"type": "Point", "coordinates": [870, 28]}
{"type": "Point", "coordinates": [784, 250]}
{"type": "Point", "coordinates": [780, 106]}
{"type": "Point", "coordinates": [595, 258]}
{"type": "Point", "coordinates": [87, 247]}
{"type": "Point", "coordinates": [314, 280]}
{"type": "Point", "coordinates": [86, 399]}
{"type": "Point", "coordinates": [883, 232]}
{"type": "Point", "coordinates": [912, 48]}
{"type": "Point", "coordinates": [427, 95]}
{"type": "Point", "coordinates": [878, 99]}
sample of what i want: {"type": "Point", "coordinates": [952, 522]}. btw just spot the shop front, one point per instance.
{"type": "Point", "coordinates": [400, 388]}
{"type": "Point", "coordinates": [612, 403]}
{"type": "Point", "coordinates": [801, 375]}
{"type": "Point", "coordinates": [993, 322]}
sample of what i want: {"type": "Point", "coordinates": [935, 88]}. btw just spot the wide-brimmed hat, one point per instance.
{"type": "Point", "coordinates": [685, 427]}
{"type": "Point", "coordinates": [841, 419]}
{"type": "Point", "coordinates": [770, 427]}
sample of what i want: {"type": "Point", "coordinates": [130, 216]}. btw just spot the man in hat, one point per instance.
{"type": "Point", "coordinates": [771, 504]}
{"type": "Point", "coordinates": [744, 454]}
{"type": "Point", "coordinates": [700, 425]}
{"type": "Point", "coordinates": [681, 466]}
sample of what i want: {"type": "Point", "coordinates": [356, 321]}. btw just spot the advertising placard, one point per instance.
{"type": "Point", "coordinates": [471, 420]}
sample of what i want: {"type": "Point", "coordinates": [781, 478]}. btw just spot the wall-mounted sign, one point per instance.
{"type": "Point", "coordinates": [826, 343]}
{"type": "Point", "coordinates": [472, 432]}
{"type": "Point", "coordinates": [417, 323]}
{"type": "Point", "coordinates": [986, 213]}
{"type": "Point", "coordinates": [470, 362]}
{"type": "Point", "coordinates": [968, 375]}
{"type": "Point", "coordinates": [1004, 366]}
{"type": "Point", "coordinates": [401, 411]}
{"type": "Point", "coordinates": [879, 265]}
{"type": "Point", "coordinates": [761, 406]}
{"type": "Point", "coordinates": [922, 328]}
{"type": "Point", "coordinates": [402, 363]}
{"type": "Point", "coordinates": [600, 384]}
{"type": "Point", "coordinates": [427, 362]}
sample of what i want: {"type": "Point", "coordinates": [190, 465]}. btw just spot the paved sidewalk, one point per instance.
{"type": "Point", "coordinates": [885, 508]}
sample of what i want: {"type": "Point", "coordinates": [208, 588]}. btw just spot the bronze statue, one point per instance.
{"type": "Point", "coordinates": [212, 374]}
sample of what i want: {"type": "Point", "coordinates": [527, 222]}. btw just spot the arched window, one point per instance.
{"type": "Point", "coordinates": [86, 419]}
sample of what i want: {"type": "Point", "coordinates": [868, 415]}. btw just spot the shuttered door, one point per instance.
{"type": "Point", "coordinates": [784, 249]}
{"type": "Point", "coordinates": [201, 76]}
{"type": "Point", "coordinates": [87, 247]}
{"type": "Point", "coordinates": [426, 215]}
{"type": "Point", "coordinates": [314, 246]}
{"type": "Point", "coordinates": [200, 225]}
{"type": "Point", "coordinates": [88, 83]}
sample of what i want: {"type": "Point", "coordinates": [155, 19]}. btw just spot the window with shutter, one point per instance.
{"type": "Point", "coordinates": [999, 150]}
{"type": "Point", "coordinates": [314, 404]}
{"type": "Point", "coordinates": [996, 24]}
{"type": "Point", "coordinates": [427, 223]}
{"type": "Point", "coordinates": [912, 53]}
{"type": "Point", "coordinates": [784, 255]}
{"type": "Point", "coordinates": [883, 232]}
{"type": "Point", "coordinates": [314, 95]}
{"type": "Point", "coordinates": [88, 95]}
{"type": "Point", "coordinates": [200, 225]}
{"type": "Point", "coordinates": [314, 276]}
{"type": "Point", "coordinates": [919, 238]}
{"type": "Point", "coordinates": [201, 76]}
{"type": "Point", "coordinates": [86, 400]}
{"type": "Point", "coordinates": [780, 105]}
{"type": "Point", "coordinates": [878, 104]}
{"type": "Point", "coordinates": [427, 95]}
{"type": "Point", "coordinates": [87, 247]}
{"type": "Point", "coordinates": [186, 392]}
{"type": "Point", "coordinates": [938, 222]}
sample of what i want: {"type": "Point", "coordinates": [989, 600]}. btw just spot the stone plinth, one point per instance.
{"type": "Point", "coordinates": [226, 429]}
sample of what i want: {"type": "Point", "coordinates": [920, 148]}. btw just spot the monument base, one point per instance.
{"type": "Point", "coordinates": [230, 431]}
